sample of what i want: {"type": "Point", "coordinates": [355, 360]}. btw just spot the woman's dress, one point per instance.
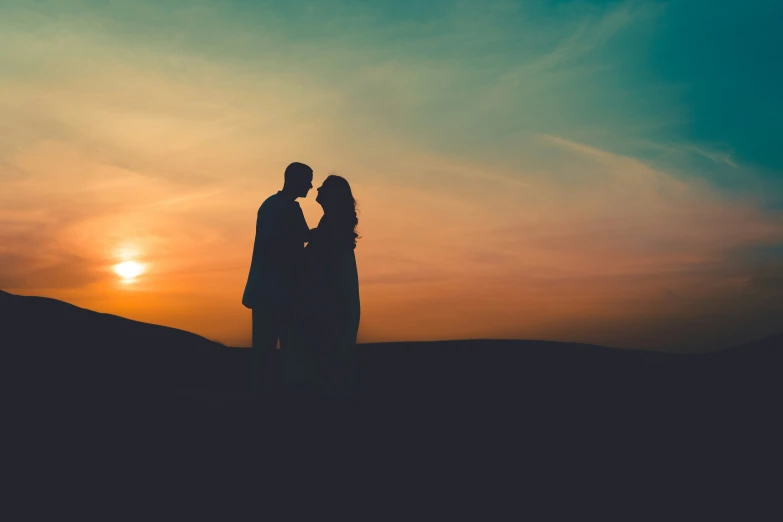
{"type": "Point", "coordinates": [321, 353]}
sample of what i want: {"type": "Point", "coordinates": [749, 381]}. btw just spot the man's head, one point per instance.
{"type": "Point", "coordinates": [298, 179]}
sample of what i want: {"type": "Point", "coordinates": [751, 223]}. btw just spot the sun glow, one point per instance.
{"type": "Point", "coordinates": [129, 270]}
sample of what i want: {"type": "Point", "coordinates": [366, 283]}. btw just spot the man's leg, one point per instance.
{"type": "Point", "coordinates": [265, 364]}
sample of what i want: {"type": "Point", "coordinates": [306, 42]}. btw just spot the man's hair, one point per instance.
{"type": "Point", "coordinates": [296, 171]}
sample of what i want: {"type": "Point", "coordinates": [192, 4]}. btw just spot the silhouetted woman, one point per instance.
{"type": "Point", "coordinates": [322, 355]}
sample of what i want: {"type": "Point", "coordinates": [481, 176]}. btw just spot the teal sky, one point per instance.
{"type": "Point", "coordinates": [629, 76]}
{"type": "Point", "coordinates": [603, 165]}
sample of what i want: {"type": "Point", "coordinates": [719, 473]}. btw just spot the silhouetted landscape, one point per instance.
{"type": "Point", "coordinates": [80, 379]}
{"type": "Point", "coordinates": [581, 200]}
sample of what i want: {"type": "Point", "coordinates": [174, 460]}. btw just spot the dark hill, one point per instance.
{"type": "Point", "coordinates": [100, 396]}
{"type": "Point", "coordinates": [56, 345]}
{"type": "Point", "coordinates": [51, 345]}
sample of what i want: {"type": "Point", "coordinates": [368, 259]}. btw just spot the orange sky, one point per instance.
{"type": "Point", "coordinates": [475, 251]}
{"type": "Point", "coordinates": [115, 148]}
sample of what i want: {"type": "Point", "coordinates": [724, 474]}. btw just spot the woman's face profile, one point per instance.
{"type": "Point", "coordinates": [323, 194]}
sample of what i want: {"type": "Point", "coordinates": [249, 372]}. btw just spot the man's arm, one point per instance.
{"type": "Point", "coordinates": [249, 295]}
{"type": "Point", "coordinates": [270, 248]}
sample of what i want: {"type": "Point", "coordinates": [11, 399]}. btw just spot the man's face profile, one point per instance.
{"type": "Point", "coordinates": [306, 185]}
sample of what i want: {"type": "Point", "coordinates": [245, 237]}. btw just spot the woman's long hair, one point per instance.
{"type": "Point", "coordinates": [343, 208]}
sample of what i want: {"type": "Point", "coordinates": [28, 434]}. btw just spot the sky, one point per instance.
{"type": "Point", "coordinates": [599, 172]}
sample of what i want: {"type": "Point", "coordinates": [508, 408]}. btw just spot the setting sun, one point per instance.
{"type": "Point", "coordinates": [129, 270]}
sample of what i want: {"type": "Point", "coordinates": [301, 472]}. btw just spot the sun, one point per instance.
{"type": "Point", "coordinates": [129, 270]}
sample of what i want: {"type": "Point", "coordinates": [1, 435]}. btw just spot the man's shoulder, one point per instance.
{"type": "Point", "coordinates": [279, 207]}
{"type": "Point", "coordinates": [272, 202]}
{"type": "Point", "coordinates": [274, 199]}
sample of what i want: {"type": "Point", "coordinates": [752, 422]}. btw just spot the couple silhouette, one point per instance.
{"type": "Point", "coordinates": [305, 297]}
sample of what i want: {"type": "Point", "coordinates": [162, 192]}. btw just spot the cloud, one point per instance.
{"type": "Point", "coordinates": [593, 31]}
{"type": "Point", "coordinates": [597, 246]}
{"type": "Point", "coordinates": [10, 172]}
{"type": "Point", "coordinates": [32, 273]}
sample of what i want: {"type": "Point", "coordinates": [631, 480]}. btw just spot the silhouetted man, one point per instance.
{"type": "Point", "coordinates": [281, 232]}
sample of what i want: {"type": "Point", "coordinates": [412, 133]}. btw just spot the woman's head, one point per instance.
{"type": "Point", "coordinates": [336, 198]}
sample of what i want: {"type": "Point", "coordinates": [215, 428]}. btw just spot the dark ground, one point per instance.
{"type": "Point", "coordinates": [103, 404]}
